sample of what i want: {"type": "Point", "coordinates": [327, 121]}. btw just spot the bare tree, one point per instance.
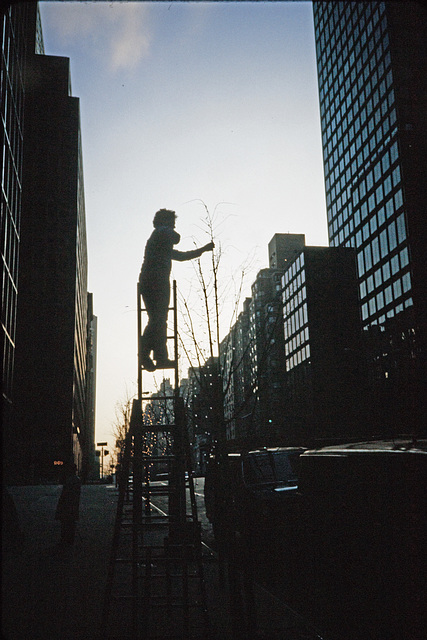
{"type": "Point", "coordinates": [120, 425]}
{"type": "Point", "coordinates": [200, 337]}
{"type": "Point", "coordinates": [204, 305]}
{"type": "Point", "coordinates": [156, 415]}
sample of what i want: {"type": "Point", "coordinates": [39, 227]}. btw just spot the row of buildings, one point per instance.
{"type": "Point", "coordinates": [48, 326]}
{"type": "Point", "coordinates": [332, 343]}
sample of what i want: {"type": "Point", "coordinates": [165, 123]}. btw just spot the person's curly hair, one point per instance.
{"type": "Point", "coordinates": [164, 217]}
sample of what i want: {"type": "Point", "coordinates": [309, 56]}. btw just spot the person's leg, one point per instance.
{"type": "Point", "coordinates": [147, 338]}
{"type": "Point", "coordinates": [156, 301]}
{"type": "Point", "coordinates": [145, 347]}
{"type": "Point", "coordinates": [160, 351]}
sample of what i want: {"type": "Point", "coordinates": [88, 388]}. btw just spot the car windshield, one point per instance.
{"type": "Point", "coordinates": [270, 467]}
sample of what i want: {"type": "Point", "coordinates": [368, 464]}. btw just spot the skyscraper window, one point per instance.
{"type": "Point", "coordinates": [295, 314]}
{"type": "Point", "coordinates": [361, 144]}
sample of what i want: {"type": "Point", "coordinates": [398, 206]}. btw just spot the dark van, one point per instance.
{"type": "Point", "coordinates": [363, 527]}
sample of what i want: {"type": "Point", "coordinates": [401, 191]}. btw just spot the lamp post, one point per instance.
{"type": "Point", "coordinates": [102, 445]}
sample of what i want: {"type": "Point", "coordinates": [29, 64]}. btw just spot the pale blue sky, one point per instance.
{"type": "Point", "coordinates": [179, 102]}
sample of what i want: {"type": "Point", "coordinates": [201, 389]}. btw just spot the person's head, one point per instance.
{"type": "Point", "coordinates": [164, 218]}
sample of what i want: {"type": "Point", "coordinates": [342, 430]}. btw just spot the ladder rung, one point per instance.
{"type": "Point", "coordinates": [191, 574]}
{"type": "Point", "coordinates": [162, 559]}
{"type": "Point", "coordinates": [130, 560]}
{"type": "Point", "coordinates": [153, 548]}
{"type": "Point", "coordinates": [160, 517]}
{"type": "Point", "coordinates": [189, 545]}
{"type": "Point", "coordinates": [164, 602]}
{"type": "Point", "coordinates": [158, 491]}
{"type": "Point", "coordinates": [171, 365]}
{"type": "Point", "coordinates": [169, 309]}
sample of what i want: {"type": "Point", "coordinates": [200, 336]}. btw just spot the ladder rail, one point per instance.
{"type": "Point", "coordinates": [179, 430]}
{"type": "Point", "coordinates": [182, 545]}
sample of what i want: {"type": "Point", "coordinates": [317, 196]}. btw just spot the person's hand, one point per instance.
{"type": "Point", "coordinates": [209, 246]}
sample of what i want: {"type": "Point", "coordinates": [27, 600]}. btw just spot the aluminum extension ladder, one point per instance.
{"type": "Point", "coordinates": [155, 581]}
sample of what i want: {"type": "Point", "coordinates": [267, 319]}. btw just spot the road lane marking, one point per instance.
{"type": "Point", "coordinates": [158, 508]}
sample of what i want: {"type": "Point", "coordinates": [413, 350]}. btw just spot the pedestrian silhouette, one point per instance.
{"type": "Point", "coordinates": [67, 510]}
{"type": "Point", "coordinates": [155, 286]}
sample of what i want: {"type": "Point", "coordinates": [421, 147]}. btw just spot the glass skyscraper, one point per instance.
{"type": "Point", "coordinates": [372, 71]}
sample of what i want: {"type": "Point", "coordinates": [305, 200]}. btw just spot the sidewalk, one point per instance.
{"type": "Point", "coordinates": [54, 593]}
{"type": "Point", "coordinates": [49, 592]}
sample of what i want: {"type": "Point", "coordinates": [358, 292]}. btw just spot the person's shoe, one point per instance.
{"type": "Point", "coordinates": [165, 363]}
{"type": "Point", "coordinates": [147, 363]}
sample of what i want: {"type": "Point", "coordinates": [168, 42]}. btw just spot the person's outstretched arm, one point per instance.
{"type": "Point", "coordinates": [181, 256]}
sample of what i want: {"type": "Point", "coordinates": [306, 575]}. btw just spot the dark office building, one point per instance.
{"type": "Point", "coordinates": [283, 248]}
{"type": "Point", "coordinates": [266, 354]}
{"type": "Point", "coordinates": [252, 355]}
{"type": "Point", "coordinates": [372, 71]}
{"type": "Point", "coordinates": [51, 383]}
{"type": "Point", "coordinates": [21, 37]}
{"type": "Point", "coordinates": [323, 391]}
{"type": "Point", "coordinates": [90, 470]}
{"type": "Point", "coordinates": [237, 378]}
{"type": "Point", "coordinates": [227, 358]}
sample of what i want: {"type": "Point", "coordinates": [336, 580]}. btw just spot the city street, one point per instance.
{"type": "Point", "coordinates": [53, 592]}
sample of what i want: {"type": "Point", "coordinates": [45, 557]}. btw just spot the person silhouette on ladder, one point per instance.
{"type": "Point", "coordinates": [154, 287]}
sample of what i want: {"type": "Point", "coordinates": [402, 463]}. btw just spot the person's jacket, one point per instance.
{"type": "Point", "coordinates": [159, 253]}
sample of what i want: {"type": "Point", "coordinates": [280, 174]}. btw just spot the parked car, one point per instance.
{"type": "Point", "coordinates": [253, 493]}
{"type": "Point", "coordinates": [363, 510]}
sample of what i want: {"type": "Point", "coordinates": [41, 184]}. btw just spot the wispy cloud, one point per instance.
{"type": "Point", "coordinates": [117, 32]}
{"type": "Point", "coordinates": [130, 39]}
